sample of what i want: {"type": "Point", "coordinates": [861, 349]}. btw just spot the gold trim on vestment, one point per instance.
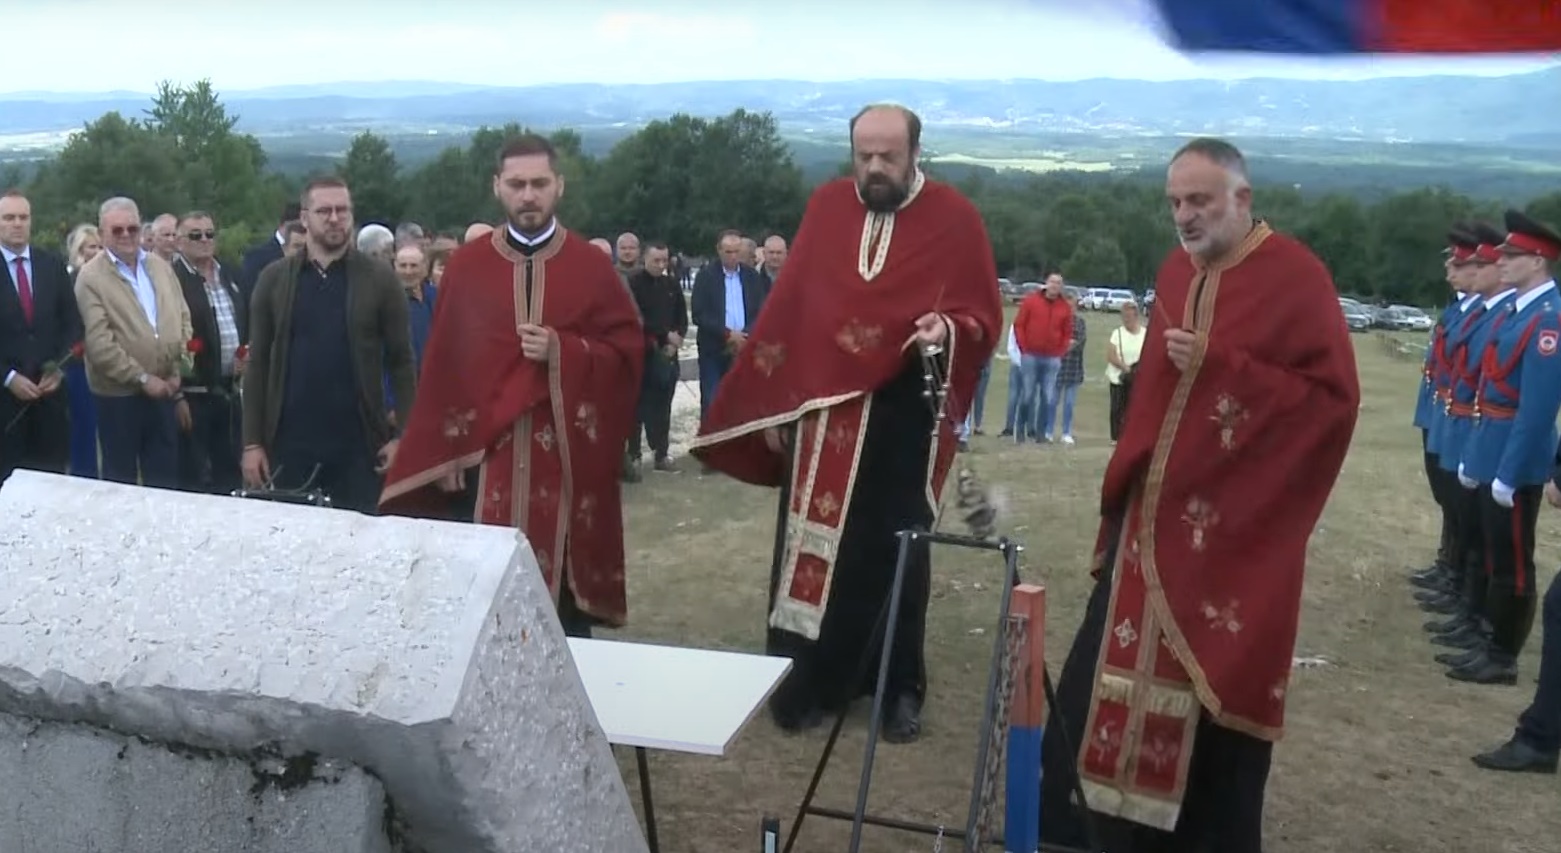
{"type": "Point", "coordinates": [1198, 314]}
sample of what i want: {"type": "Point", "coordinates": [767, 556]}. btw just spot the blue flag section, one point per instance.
{"type": "Point", "coordinates": [1363, 26]}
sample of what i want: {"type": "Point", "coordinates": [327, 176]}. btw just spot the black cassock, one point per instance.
{"type": "Point", "coordinates": [1222, 811]}
{"type": "Point", "coordinates": [890, 496]}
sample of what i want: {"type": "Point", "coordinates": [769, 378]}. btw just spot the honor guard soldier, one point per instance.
{"type": "Point", "coordinates": [1429, 408]}
{"type": "Point", "coordinates": [1466, 340]}
{"type": "Point", "coordinates": [1511, 450]}
{"type": "Point", "coordinates": [1536, 745]}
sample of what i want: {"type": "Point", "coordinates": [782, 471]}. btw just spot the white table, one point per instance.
{"type": "Point", "coordinates": [670, 698]}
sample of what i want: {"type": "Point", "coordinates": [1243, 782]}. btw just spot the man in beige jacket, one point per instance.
{"type": "Point", "coordinates": [137, 330]}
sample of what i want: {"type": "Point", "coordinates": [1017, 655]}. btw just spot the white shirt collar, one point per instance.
{"type": "Point", "coordinates": [547, 234]}
{"type": "Point", "coordinates": [1491, 302]}
{"type": "Point", "coordinates": [10, 256]}
{"type": "Point", "coordinates": [1527, 299]}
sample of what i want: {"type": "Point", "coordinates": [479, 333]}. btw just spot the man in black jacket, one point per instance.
{"type": "Point", "coordinates": [207, 403]}
{"type": "Point", "coordinates": [260, 256]}
{"type": "Point", "coordinates": [665, 314]}
{"type": "Point", "coordinates": [726, 302]}
{"type": "Point", "coordinates": [39, 324]}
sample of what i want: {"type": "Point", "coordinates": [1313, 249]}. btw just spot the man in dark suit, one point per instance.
{"type": "Point", "coordinates": [207, 403]}
{"type": "Point", "coordinates": [39, 324]}
{"type": "Point", "coordinates": [726, 301]}
{"type": "Point", "coordinates": [258, 257]}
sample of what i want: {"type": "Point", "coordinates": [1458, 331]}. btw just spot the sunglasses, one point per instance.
{"type": "Point", "coordinates": [201, 235]}
{"type": "Point", "coordinates": [125, 230]}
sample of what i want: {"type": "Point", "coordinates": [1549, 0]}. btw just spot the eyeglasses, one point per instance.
{"type": "Point", "coordinates": [341, 211]}
{"type": "Point", "coordinates": [125, 230]}
{"type": "Point", "coordinates": [201, 235]}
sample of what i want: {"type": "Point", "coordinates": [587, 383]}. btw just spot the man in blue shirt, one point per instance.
{"type": "Point", "coordinates": [726, 301]}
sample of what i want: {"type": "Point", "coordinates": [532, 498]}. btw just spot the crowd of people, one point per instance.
{"type": "Point", "coordinates": [504, 378]}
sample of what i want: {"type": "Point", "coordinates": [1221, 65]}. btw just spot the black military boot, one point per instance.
{"type": "Point", "coordinates": [1466, 636]}
{"type": "Point", "coordinates": [1442, 626]}
{"type": "Point", "coordinates": [1459, 660]}
{"type": "Point", "coordinates": [1515, 756]}
{"type": "Point", "coordinates": [1442, 604]}
{"type": "Point", "coordinates": [1512, 617]}
{"type": "Point", "coordinates": [1466, 631]}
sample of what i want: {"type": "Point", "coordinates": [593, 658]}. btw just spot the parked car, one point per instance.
{"type": "Point", "coordinates": [1356, 317]}
{"type": "Point", "coordinates": [1404, 318]}
{"type": "Point", "coordinates": [1094, 299]}
{"type": "Point", "coordinates": [1148, 299]}
{"type": "Point", "coordinates": [1116, 298]}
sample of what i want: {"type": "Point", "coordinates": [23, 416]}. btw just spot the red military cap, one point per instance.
{"type": "Point", "coordinates": [1528, 236]}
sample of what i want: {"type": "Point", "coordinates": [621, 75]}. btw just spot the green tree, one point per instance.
{"type": "Point", "coordinates": [372, 173]}
{"type": "Point", "coordinates": [220, 170]}
{"type": "Point", "coordinates": [1097, 259]}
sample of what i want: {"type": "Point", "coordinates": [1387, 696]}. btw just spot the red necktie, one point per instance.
{"type": "Point", "coordinates": [24, 290]}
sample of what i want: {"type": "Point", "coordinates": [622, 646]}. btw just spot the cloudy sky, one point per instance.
{"type": "Point", "coordinates": [245, 44]}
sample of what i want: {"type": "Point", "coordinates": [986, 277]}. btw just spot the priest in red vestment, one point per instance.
{"type": "Point", "coordinates": [1174, 691]}
{"type": "Point", "coordinates": [884, 267]}
{"type": "Point", "coordinates": [534, 361]}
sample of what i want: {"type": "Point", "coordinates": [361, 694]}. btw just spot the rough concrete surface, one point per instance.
{"type": "Point", "coordinates": [70, 788]}
{"type": "Point", "coordinates": [426, 652]}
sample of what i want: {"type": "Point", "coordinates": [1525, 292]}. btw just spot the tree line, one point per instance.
{"type": "Point", "coordinates": [684, 179]}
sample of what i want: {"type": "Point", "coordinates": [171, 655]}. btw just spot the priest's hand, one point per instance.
{"type": "Point", "coordinates": [931, 330]}
{"type": "Point", "coordinates": [1553, 494]}
{"type": "Point", "coordinates": [454, 482]}
{"type": "Point", "coordinates": [1179, 345]}
{"type": "Point", "coordinates": [536, 342]}
{"type": "Point", "coordinates": [774, 440]}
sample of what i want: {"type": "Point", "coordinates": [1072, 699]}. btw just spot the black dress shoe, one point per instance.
{"type": "Point", "coordinates": [1466, 637]}
{"type": "Point", "coordinates": [1438, 582]}
{"type": "Point", "coordinates": [797, 720]}
{"type": "Point", "coordinates": [1442, 605]}
{"type": "Point", "coordinates": [1515, 756]}
{"type": "Point", "coordinates": [1458, 660]}
{"type": "Point", "coordinates": [902, 718]}
{"type": "Point", "coordinates": [1486, 670]}
{"type": "Point", "coordinates": [1442, 626]}
{"type": "Point", "coordinates": [1439, 594]}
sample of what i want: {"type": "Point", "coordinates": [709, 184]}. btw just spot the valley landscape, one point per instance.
{"type": "Point", "coordinates": [1489, 136]}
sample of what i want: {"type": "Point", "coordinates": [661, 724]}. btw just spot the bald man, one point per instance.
{"type": "Point", "coordinates": [601, 243]}
{"type": "Point", "coordinates": [476, 231]}
{"type": "Point", "coordinates": [773, 254]}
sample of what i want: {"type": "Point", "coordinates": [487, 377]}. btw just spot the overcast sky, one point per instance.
{"type": "Point", "coordinates": [242, 44]}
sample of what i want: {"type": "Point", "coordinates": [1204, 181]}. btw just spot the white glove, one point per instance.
{"type": "Point", "coordinates": [1465, 481]}
{"type": "Point", "coordinates": [1502, 493]}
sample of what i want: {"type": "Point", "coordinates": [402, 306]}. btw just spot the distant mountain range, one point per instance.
{"type": "Point", "coordinates": [1516, 111]}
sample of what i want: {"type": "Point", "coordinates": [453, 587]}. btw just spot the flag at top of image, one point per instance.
{"type": "Point", "coordinates": [1363, 26]}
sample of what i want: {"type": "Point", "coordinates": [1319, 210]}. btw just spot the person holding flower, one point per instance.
{"type": "Point", "coordinates": [136, 328]}
{"type": "Point", "coordinates": [39, 325]}
{"type": "Point", "coordinates": [206, 407]}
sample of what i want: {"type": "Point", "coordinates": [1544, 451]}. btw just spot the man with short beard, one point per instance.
{"type": "Point", "coordinates": [1462, 588]}
{"type": "Point", "coordinates": [538, 351]}
{"type": "Point", "coordinates": [1174, 691]}
{"type": "Point", "coordinates": [1510, 452]}
{"type": "Point", "coordinates": [314, 409]}
{"type": "Point", "coordinates": [665, 312]}
{"type": "Point", "coordinates": [891, 274]}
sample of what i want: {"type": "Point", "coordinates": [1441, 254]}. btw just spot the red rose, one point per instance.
{"type": "Point", "coordinates": [195, 346]}
{"type": "Point", "coordinates": [242, 353]}
{"type": "Point", "coordinates": [78, 349]}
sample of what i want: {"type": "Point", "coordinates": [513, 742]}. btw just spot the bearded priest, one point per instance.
{"type": "Point", "coordinates": [1173, 694]}
{"type": "Point", "coordinates": [538, 349]}
{"type": "Point", "coordinates": [889, 271]}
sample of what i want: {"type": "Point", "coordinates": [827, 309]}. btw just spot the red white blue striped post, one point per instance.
{"type": "Point", "coordinates": [1026, 712]}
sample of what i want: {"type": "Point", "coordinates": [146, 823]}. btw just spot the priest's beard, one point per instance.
{"type": "Point", "coordinates": [884, 193]}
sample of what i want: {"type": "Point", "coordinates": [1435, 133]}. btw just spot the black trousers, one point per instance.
{"type": "Point", "coordinates": [1119, 397]}
{"type": "Point", "coordinates": [655, 412]}
{"type": "Point", "coordinates": [1468, 544]}
{"type": "Point", "coordinates": [1511, 599]}
{"type": "Point", "coordinates": [1222, 811]}
{"type": "Point", "coordinates": [39, 438]}
{"type": "Point", "coordinates": [139, 438]}
{"type": "Point", "coordinates": [209, 452]}
{"type": "Point", "coordinates": [1540, 724]}
{"type": "Point", "coordinates": [345, 473]}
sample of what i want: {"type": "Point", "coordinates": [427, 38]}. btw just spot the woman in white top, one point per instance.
{"type": "Point", "coordinates": [1122, 351]}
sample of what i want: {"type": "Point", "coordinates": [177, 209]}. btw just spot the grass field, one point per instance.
{"type": "Point", "coordinates": [1376, 757]}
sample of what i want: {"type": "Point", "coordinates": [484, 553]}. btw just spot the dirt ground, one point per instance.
{"type": "Point", "coordinates": [1377, 752]}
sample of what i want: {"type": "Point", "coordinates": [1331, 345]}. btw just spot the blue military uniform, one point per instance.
{"type": "Point", "coordinates": [1463, 595]}
{"type": "Point", "coordinates": [1510, 454]}
{"type": "Point", "coordinates": [1428, 412]}
{"type": "Point", "coordinates": [1536, 744]}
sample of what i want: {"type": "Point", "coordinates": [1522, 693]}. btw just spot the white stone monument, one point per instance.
{"type": "Point", "coordinates": [267, 677]}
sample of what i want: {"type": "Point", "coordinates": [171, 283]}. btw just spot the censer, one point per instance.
{"type": "Point", "coordinates": [972, 499]}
